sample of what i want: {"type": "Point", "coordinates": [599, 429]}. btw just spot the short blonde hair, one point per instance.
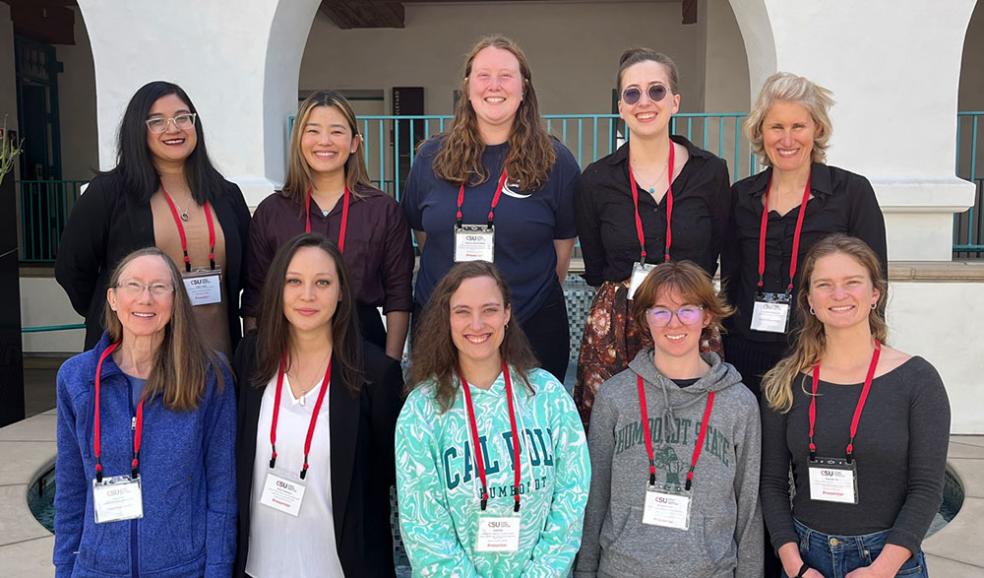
{"type": "Point", "coordinates": [789, 87]}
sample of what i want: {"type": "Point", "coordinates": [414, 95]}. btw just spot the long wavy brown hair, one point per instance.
{"type": "Point", "coordinates": [531, 153]}
{"type": "Point", "coordinates": [299, 176]}
{"type": "Point", "coordinates": [435, 358]}
{"type": "Point", "coordinates": [273, 329]}
{"type": "Point", "coordinates": [182, 362]}
{"type": "Point", "coordinates": [811, 340]}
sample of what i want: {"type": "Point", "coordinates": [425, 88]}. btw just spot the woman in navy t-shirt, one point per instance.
{"type": "Point", "coordinates": [496, 187]}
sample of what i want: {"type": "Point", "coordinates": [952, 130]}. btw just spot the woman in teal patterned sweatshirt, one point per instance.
{"type": "Point", "coordinates": [473, 509]}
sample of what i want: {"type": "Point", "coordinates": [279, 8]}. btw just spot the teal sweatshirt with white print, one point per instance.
{"type": "Point", "coordinates": [439, 490]}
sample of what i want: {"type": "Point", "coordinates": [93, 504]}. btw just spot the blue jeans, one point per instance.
{"type": "Point", "coordinates": [834, 556]}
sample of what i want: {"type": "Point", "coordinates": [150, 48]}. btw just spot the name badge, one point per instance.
{"type": "Point", "coordinates": [203, 287]}
{"type": "Point", "coordinates": [282, 494]}
{"type": "Point", "coordinates": [771, 312]}
{"type": "Point", "coordinates": [474, 243]}
{"type": "Point", "coordinates": [639, 273]}
{"type": "Point", "coordinates": [498, 533]}
{"type": "Point", "coordinates": [117, 498]}
{"type": "Point", "coordinates": [833, 480]}
{"type": "Point", "coordinates": [666, 508]}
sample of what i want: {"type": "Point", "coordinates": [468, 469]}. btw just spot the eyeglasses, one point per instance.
{"type": "Point", "coordinates": [136, 289]}
{"type": "Point", "coordinates": [158, 124]}
{"type": "Point", "coordinates": [656, 92]}
{"type": "Point", "coordinates": [688, 315]}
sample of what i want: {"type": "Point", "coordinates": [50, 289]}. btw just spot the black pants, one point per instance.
{"type": "Point", "coordinates": [753, 359]}
{"type": "Point", "coordinates": [547, 330]}
{"type": "Point", "coordinates": [371, 324]}
{"type": "Point", "coordinates": [549, 333]}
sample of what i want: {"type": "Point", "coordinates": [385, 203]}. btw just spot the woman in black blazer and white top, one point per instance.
{"type": "Point", "coordinates": [317, 412]}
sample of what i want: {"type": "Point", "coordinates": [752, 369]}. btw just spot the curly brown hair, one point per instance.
{"type": "Point", "coordinates": [531, 153]}
{"type": "Point", "coordinates": [435, 358]}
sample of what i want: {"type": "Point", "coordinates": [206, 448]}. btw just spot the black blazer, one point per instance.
{"type": "Point", "coordinates": [362, 460]}
{"type": "Point", "coordinates": [108, 223]}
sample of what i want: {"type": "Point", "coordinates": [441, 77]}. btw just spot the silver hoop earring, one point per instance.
{"type": "Point", "coordinates": [812, 312]}
{"type": "Point", "coordinates": [875, 304]}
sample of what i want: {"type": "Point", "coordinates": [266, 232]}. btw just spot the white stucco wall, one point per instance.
{"type": "Point", "coordinates": [573, 49]}
{"type": "Point", "coordinates": [77, 106]}
{"type": "Point", "coordinates": [939, 321]}
{"type": "Point", "coordinates": [43, 302]}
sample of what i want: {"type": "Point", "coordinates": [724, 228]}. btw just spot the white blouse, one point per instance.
{"type": "Point", "coordinates": [280, 544]}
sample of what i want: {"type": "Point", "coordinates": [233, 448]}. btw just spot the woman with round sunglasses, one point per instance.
{"type": "Point", "coordinates": [328, 192]}
{"type": "Point", "coordinates": [165, 193]}
{"type": "Point", "coordinates": [864, 426]}
{"type": "Point", "coordinates": [146, 431]}
{"type": "Point", "coordinates": [317, 409]}
{"type": "Point", "coordinates": [492, 464]}
{"type": "Point", "coordinates": [780, 213]}
{"type": "Point", "coordinates": [496, 187]}
{"type": "Point", "coordinates": [657, 198]}
{"type": "Point", "coordinates": [674, 443]}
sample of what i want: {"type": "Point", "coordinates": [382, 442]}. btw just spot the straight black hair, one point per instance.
{"type": "Point", "coordinates": [133, 159]}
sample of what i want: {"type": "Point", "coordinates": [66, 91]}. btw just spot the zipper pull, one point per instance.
{"type": "Point", "coordinates": [133, 423]}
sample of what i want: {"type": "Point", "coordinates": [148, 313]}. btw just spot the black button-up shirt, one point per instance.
{"type": "Point", "coordinates": [841, 202]}
{"type": "Point", "coordinates": [606, 216]}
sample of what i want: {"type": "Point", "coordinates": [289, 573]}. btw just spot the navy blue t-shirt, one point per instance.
{"type": "Point", "coordinates": [526, 223]}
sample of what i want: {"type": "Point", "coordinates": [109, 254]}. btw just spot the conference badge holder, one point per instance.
{"type": "Point", "coordinates": [474, 243]}
{"type": "Point", "coordinates": [771, 312]}
{"type": "Point", "coordinates": [117, 498]}
{"type": "Point", "coordinates": [639, 273]}
{"type": "Point", "coordinates": [498, 533]}
{"type": "Point", "coordinates": [666, 508]}
{"type": "Point", "coordinates": [203, 286]}
{"type": "Point", "coordinates": [834, 480]}
{"type": "Point", "coordinates": [283, 493]}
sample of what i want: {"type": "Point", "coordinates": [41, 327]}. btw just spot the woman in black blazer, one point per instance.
{"type": "Point", "coordinates": [163, 189]}
{"type": "Point", "coordinates": [317, 413]}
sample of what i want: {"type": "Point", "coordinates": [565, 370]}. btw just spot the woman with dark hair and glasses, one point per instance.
{"type": "Point", "coordinates": [657, 198]}
{"type": "Point", "coordinates": [317, 409]}
{"type": "Point", "coordinates": [496, 187]}
{"type": "Point", "coordinates": [165, 193]}
{"type": "Point", "coordinates": [328, 191]}
{"type": "Point", "coordinates": [146, 432]}
{"type": "Point", "coordinates": [674, 444]}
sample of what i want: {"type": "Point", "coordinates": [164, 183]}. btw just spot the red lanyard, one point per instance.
{"type": "Point", "coordinates": [184, 239]}
{"type": "Point", "coordinates": [669, 210]}
{"type": "Point", "coordinates": [495, 199]}
{"type": "Point", "coordinates": [698, 448]}
{"type": "Point", "coordinates": [479, 460]}
{"type": "Point", "coordinates": [857, 410]}
{"type": "Point", "coordinates": [345, 210]}
{"type": "Point", "coordinates": [97, 425]}
{"type": "Point", "coordinates": [311, 425]}
{"type": "Point", "coordinates": [796, 236]}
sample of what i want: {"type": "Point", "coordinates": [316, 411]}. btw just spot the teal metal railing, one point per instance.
{"type": "Point", "coordinates": [45, 207]}
{"type": "Point", "coordinates": [49, 328]}
{"type": "Point", "coordinates": [968, 227]}
{"type": "Point", "coordinates": [390, 142]}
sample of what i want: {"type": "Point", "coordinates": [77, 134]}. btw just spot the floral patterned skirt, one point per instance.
{"type": "Point", "coordinates": [611, 340]}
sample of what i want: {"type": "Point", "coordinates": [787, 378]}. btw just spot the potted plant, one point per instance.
{"type": "Point", "coordinates": [9, 151]}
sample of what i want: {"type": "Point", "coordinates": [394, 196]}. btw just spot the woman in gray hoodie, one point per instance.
{"type": "Point", "coordinates": [674, 443]}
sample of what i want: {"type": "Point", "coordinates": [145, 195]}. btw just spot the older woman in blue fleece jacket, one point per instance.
{"type": "Point", "coordinates": [146, 430]}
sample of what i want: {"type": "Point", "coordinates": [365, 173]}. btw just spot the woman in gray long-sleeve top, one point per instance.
{"type": "Point", "coordinates": [674, 444]}
{"type": "Point", "coordinates": [865, 427]}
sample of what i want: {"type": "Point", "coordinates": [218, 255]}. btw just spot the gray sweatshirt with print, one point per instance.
{"type": "Point", "coordinates": [725, 533]}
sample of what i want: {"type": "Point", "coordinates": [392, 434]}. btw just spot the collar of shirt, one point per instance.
{"type": "Point", "coordinates": [819, 182]}
{"type": "Point", "coordinates": [621, 155]}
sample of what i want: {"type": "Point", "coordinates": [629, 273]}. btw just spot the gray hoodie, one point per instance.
{"type": "Point", "coordinates": [725, 535]}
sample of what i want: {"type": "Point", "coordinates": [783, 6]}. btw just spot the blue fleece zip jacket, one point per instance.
{"type": "Point", "coordinates": [187, 470]}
